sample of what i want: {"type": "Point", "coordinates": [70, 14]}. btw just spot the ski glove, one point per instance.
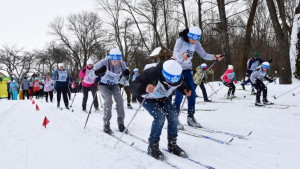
{"type": "Point", "coordinates": [83, 70]}
{"type": "Point", "coordinates": [126, 73]}
{"type": "Point", "coordinates": [100, 71]}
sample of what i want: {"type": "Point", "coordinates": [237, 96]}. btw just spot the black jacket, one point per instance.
{"type": "Point", "coordinates": [152, 76]}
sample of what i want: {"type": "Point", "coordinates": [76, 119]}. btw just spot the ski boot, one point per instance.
{"type": "Point", "coordinates": [207, 100]}
{"type": "Point", "coordinates": [122, 128]}
{"type": "Point", "coordinates": [67, 107]}
{"type": "Point", "coordinates": [228, 97]}
{"type": "Point", "coordinates": [129, 106]}
{"type": "Point", "coordinates": [153, 150]}
{"type": "Point", "coordinates": [97, 109]}
{"type": "Point", "coordinates": [107, 128]}
{"type": "Point", "coordinates": [243, 86]}
{"type": "Point", "coordinates": [83, 109]}
{"type": "Point", "coordinates": [175, 149]}
{"type": "Point", "coordinates": [191, 121]}
{"type": "Point", "coordinates": [258, 103]}
{"type": "Point", "coordinates": [266, 102]}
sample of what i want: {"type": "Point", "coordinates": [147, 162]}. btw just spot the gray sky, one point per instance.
{"type": "Point", "coordinates": [25, 22]}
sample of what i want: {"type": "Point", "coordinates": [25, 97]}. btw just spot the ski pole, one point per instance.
{"type": "Point", "coordinates": [211, 87]}
{"type": "Point", "coordinates": [216, 91]}
{"type": "Point", "coordinates": [286, 92]}
{"type": "Point", "coordinates": [130, 121]}
{"type": "Point", "coordinates": [87, 118]}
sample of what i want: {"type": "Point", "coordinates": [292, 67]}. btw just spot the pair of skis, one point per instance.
{"type": "Point", "coordinates": [144, 152]}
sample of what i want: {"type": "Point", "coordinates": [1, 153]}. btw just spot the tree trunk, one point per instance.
{"type": "Point", "coordinates": [199, 14]}
{"type": "Point", "coordinates": [166, 24]}
{"type": "Point", "coordinates": [247, 46]}
{"type": "Point", "coordinates": [297, 70]}
{"type": "Point", "coordinates": [184, 14]}
{"type": "Point", "coordinates": [282, 38]}
{"type": "Point", "coordinates": [224, 33]}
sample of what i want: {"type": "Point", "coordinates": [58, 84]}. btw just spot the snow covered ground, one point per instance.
{"type": "Point", "coordinates": [64, 144]}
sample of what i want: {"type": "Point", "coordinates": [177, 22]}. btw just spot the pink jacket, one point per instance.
{"type": "Point", "coordinates": [85, 81]}
{"type": "Point", "coordinates": [229, 76]}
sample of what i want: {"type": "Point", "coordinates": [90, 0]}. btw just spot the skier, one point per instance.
{"type": "Point", "coordinates": [184, 50]}
{"type": "Point", "coordinates": [61, 77]}
{"type": "Point", "coordinates": [252, 64]}
{"type": "Point", "coordinates": [155, 85]}
{"type": "Point", "coordinates": [200, 78]}
{"type": "Point", "coordinates": [8, 91]}
{"type": "Point", "coordinates": [13, 89]}
{"type": "Point", "coordinates": [48, 88]}
{"type": "Point", "coordinates": [256, 78]}
{"type": "Point", "coordinates": [36, 88]}
{"type": "Point", "coordinates": [131, 79]}
{"type": "Point", "coordinates": [31, 88]}
{"type": "Point", "coordinates": [25, 87]}
{"type": "Point", "coordinates": [228, 78]}
{"type": "Point", "coordinates": [88, 84]}
{"type": "Point", "coordinates": [110, 69]}
{"type": "Point", "coordinates": [41, 92]}
{"type": "Point", "coordinates": [124, 82]}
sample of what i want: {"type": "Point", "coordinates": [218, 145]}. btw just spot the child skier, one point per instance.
{"type": "Point", "coordinates": [200, 78]}
{"type": "Point", "coordinates": [184, 49]}
{"type": "Point", "coordinates": [155, 85]}
{"type": "Point", "coordinates": [48, 88]}
{"type": "Point", "coordinates": [36, 88]}
{"type": "Point", "coordinates": [228, 78]}
{"type": "Point", "coordinates": [110, 69]}
{"type": "Point", "coordinates": [13, 89]}
{"type": "Point", "coordinates": [256, 78]}
{"type": "Point", "coordinates": [88, 84]}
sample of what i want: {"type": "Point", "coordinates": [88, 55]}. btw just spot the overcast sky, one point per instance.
{"type": "Point", "coordinates": [25, 22]}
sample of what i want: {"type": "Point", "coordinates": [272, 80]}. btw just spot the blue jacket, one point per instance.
{"type": "Point", "coordinates": [13, 87]}
{"type": "Point", "coordinates": [61, 78]}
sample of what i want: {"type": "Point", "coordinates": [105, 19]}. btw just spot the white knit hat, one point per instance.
{"type": "Point", "coordinates": [203, 65]}
{"type": "Point", "coordinates": [60, 64]}
{"type": "Point", "coordinates": [195, 33]}
{"type": "Point", "coordinates": [90, 61]}
{"type": "Point", "coordinates": [115, 54]}
{"type": "Point", "coordinates": [172, 71]}
{"type": "Point", "coordinates": [230, 67]}
{"type": "Point", "coordinates": [135, 70]}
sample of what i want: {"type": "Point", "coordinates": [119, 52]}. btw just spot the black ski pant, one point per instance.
{"type": "Point", "coordinates": [27, 93]}
{"type": "Point", "coordinates": [50, 93]}
{"type": "Point", "coordinates": [37, 94]}
{"type": "Point", "coordinates": [260, 87]}
{"type": "Point", "coordinates": [231, 88]}
{"type": "Point", "coordinates": [202, 87]}
{"type": "Point", "coordinates": [63, 91]}
{"type": "Point", "coordinates": [85, 91]}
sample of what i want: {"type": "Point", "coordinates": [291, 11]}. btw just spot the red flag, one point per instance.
{"type": "Point", "coordinates": [33, 102]}
{"type": "Point", "coordinates": [37, 107]}
{"type": "Point", "coordinates": [45, 122]}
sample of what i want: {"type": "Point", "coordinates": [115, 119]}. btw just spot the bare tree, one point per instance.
{"type": "Point", "coordinates": [247, 46]}
{"type": "Point", "coordinates": [224, 33]}
{"type": "Point", "coordinates": [283, 40]}
{"type": "Point", "coordinates": [80, 33]}
{"type": "Point", "coordinates": [17, 62]}
{"type": "Point", "coordinates": [297, 71]}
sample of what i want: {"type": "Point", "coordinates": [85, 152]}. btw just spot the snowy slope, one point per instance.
{"type": "Point", "coordinates": [64, 144]}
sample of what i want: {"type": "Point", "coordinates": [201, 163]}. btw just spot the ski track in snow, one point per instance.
{"type": "Point", "coordinates": [64, 144]}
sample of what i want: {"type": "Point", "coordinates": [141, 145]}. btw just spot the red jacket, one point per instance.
{"type": "Point", "coordinates": [229, 76]}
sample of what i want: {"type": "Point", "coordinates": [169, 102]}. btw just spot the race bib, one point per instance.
{"type": "Point", "coordinates": [160, 92]}
{"type": "Point", "coordinates": [110, 78]}
{"type": "Point", "coordinates": [62, 76]}
{"type": "Point", "coordinates": [48, 84]}
{"type": "Point", "coordinates": [89, 78]}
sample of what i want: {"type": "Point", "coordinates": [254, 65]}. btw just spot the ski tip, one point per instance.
{"type": "Point", "coordinates": [275, 97]}
{"type": "Point", "coordinates": [293, 94]}
{"type": "Point", "coordinates": [132, 144]}
{"type": "Point", "coordinates": [249, 133]}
